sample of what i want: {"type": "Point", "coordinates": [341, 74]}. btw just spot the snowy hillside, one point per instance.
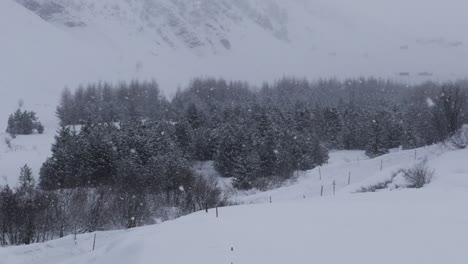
{"type": "Point", "coordinates": [65, 43]}
{"type": "Point", "coordinates": [38, 60]}
{"type": "Point", "coordinates": [310, 37]}
{"type": "Point", "coordinates": [399, 226]}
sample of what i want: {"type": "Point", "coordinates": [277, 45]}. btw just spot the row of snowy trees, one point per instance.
{"type": "Point", "coordinates": [31, 213]}
{"type": "Point", "coordinates": [124, 155]}
{"type": "Point", "coordinates": [19, 209]}
{"type": "Point", "coordinates": [262, 135]}
{"type": "Point", "coordinates": [370, 114]}
{"type": "Point", "coordinates": [103, 102]}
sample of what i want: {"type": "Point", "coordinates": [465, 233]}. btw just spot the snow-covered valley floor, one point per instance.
{"type": "Point", "coordinates": [427, 225]}
{"type": "Point", "coordinates": [403, 227]}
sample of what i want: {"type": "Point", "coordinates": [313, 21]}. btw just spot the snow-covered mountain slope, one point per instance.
{"type": "Point", "coordinates": [48, 44]}
{"type": "Point", "coordinates": [302, 37]}
{"type": "Point", "coordinates": [400, 226]}
{"type": "Point", "coordinates": [38, 60]}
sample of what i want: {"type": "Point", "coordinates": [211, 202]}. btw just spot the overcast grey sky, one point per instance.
{"type": "Point", "coordinates": [430, 18]}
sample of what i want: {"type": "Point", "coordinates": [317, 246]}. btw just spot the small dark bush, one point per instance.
{"type": "Point", "coordinates": [375, 187]}
{"type": "Point", "coordinates": [23, 123]}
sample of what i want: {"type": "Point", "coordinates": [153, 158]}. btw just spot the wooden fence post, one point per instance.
{"type": "Point", "coordinates": [334, 185]}
{"type": "Point", "coordinates": [321, 191]}
{"type": "Point", "coordinates": [216, 212]}
{"type": "Point", "coordinates": [381, 164]}
{"type": "Point", "coordinates": [349, 178]}
{"type": "Point", "coordinates": [320, 172]}
{"type": "Point", "coordinates": [94, 242]}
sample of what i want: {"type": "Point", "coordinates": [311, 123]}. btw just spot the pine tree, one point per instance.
{"type": "Point", "coordinates": [331, 127]}
{"type": "Point", "coordinates": [26, 195]}
{"type": "Point", "coordinates": [194, 116]}
{"type": "Point", "coordinates": [26, 180]}
{"type": "Point", "coordinates": [229, 148]}
{"type": "Point", "coordinates": [23, 123]}
{"type": "Point", "coordinates": [63, 168]}
{"type": "Point", "coordinates": [184, 138]}
{"type": "Point", "coordinates": [376, 136]}
{"type": "Point", "coordinates": [66, 110]}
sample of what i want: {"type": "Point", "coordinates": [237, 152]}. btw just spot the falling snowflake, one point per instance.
{"type": "Point", "coordinates": [429, 102]}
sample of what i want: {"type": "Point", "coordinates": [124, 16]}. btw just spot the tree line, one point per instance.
{"type": "Point", "coordinates": [104, 102]}
{"type": "Point", "coordinates": [257, 136]}
{"type": "Point", "coordinates": [124, 154]}
{"type": "Point", "coordinates": [31, 213]}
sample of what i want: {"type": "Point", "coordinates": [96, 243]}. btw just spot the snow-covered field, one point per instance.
{"type": "Point", "coordinates": [344, 166]}
{"type": "Point", "coordinates": [408, 227]}
{"type": "Point", "coordinates": [31, 150]}
{"type": "Point", "coordinates": [390, 226]}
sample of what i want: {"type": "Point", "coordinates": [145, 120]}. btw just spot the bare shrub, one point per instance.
{"type": "Point", "coordinates": [447, 115]}
{"type": "Point", "coordinates": [205, 192]}
{"type": "Point", "coordinates": [460, 139]}
{"type": "Point", "coordinates": [375, 187]}
{"type": "Point", "coordinates": [419, 175]}
{"type": "Point", "coordinates": [380, 185]}
{"type": "Point", "coordinates": [8, 142]}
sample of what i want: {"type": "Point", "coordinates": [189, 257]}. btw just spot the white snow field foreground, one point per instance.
{"type": "Point", "coordinates": [389, 227]}
{"type": "Point", "coordinates": [427, 225]}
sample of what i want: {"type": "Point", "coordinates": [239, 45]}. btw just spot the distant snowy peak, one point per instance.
{"type": "Point", "coordinates": [52, 11]}
{"type": "Point", "coordinates": [254, 40]}
{"type": "Point", "coordinates": [203, 25]}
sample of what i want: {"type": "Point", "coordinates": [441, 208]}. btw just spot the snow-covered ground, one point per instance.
{"type": "Point", "coordinates": [344, 166]}
{"type": "Point", "coordinates": [390, 226]}
{"type": "Point", "coordinates": [32, 150]}
{"type": "Point", "coordinates": [408, 227]}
